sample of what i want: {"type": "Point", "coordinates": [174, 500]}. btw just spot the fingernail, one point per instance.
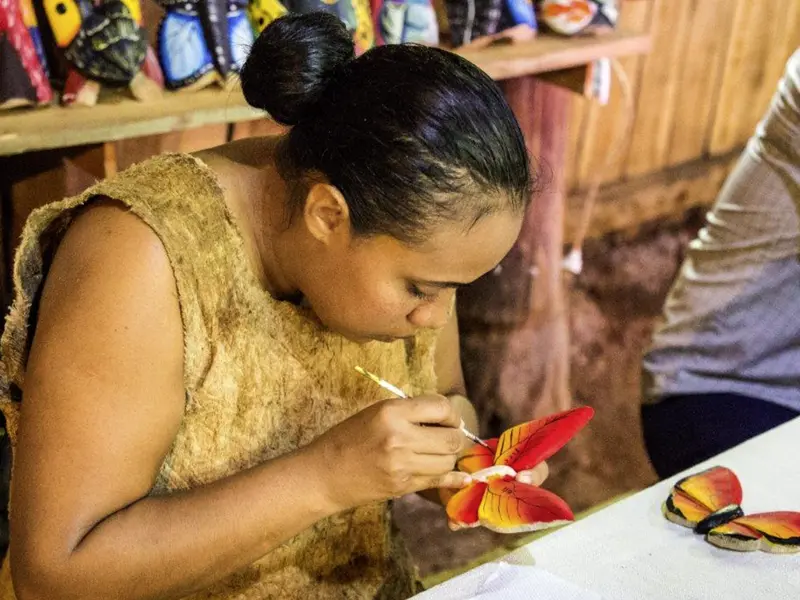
{"type": "Point", "coordinates": [525, 478]}
{"type": "Point", "coordinates": [466, 481]}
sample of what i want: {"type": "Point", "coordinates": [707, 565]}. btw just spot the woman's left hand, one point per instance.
{"type": "Point", "coordinates": [534, 476]}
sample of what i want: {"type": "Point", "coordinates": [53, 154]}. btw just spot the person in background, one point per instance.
{"type": "Point", "coordinates": [178, 364]}
{"type": "Point", "coordinates": [725, 364]}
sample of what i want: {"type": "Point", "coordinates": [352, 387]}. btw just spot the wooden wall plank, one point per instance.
{"type": "Point", "coordinates": [602, 123]}
{"type": "Point", "coordinates": [134, 150]}
{"type": "Point", "coordinates": [792, 42]}
{"type": "Point", "coordinates": [577, 136]}
{"type": "Point", "coordinates": [701, 90]}
{"type": "Point", "coordinates": [576, 129]}
{"type": "Point", "coordinates": [257, 128]}
{"type": "Point", "coordinates": [663, 196]}
{"type": "Point", "coordinates": [786, 35]}
{"type": "Point", "coordinates": [699, 76]}
{"type": "Point", "coordinates": [752, 58]}
{"type": "Point", "coordinates": [193, 140]}
{"type": "Point", "coordinates": [659, 87]}
{"type": "Point", "coordinates": [38, 178]}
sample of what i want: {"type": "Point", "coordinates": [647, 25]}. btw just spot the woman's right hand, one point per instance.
{"type": "Point", "coordinates": [390, 449]}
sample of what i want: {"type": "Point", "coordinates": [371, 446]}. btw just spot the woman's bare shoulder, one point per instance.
{"type": "Point", "coordinates": [103, 394]}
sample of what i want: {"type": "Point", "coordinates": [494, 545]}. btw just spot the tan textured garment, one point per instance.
{"type": "Point", "coordinates": [261, 379]}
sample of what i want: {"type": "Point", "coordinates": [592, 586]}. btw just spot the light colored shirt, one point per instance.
{"type": "Point", "coordinates": [732, 319]}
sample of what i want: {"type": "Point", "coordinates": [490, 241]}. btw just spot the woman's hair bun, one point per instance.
{"type": "Point", "coordinates": [292, 62]}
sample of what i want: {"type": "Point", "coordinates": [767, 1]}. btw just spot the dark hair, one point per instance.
{"type": "Point", "coordinates": [410, 135]}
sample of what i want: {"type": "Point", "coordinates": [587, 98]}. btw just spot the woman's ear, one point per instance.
{"type": "Point", "coordinates": [326, 213]}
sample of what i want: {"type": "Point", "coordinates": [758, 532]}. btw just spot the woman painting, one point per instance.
{"type": "Point", "coordinates": [179, 360]}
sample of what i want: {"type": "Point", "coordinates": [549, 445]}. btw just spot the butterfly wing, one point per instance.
{"type": "Point", "coordinates": [462, 508]}
{"type": "Point", "coordinates": [777, 532]}
{"type": "Point", "coordinates": [714, 488]}
{"type": "Point", "coordinates": [525, 446]}
{"type": "Point", "coordinates": [733, 536]}
{"type": "Point", "coordinates": [683, 510]}
{"type": "Point", "coordinates": [694, 498]}
{"type": "Point", "coordinates": [478, 457]}
{"type": "Point", "coordinates": [475, 459]}
{"type": "Point", "coordinates": [509, 506]}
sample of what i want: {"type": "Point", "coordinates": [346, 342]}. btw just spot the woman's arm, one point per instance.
{"type": "Point", "coordinates": [103, 400]}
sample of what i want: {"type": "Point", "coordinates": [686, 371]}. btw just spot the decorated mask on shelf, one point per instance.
{"type": "Point", "coordinates": [264, 12]}
{"type": "Point", "coordinates": [201, 42]}
{"type": "Point", "coordinates": [481, 22]}
{"type": "Point", "coordinates": [570, 17]}
{"type": "Point", "coordinates": [581, 17]}
{"type": "Point", "coordinates": [355, 14]}
{"type": "Point", "coordinates": [23, 67]}
{"type": "Point", "coordinates": [150, 67]}
{"type": "Point", "coordinates": [405, 21]}
{"type": "Point", "coordinates": [102, 43]}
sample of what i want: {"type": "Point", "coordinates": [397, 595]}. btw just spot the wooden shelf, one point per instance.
{"type": "Point", "coordinates": [122, 118]}
{"type": "Point", "coordinates": [548, 53]}
{"type": "Point", "coordinates": [119, 118]}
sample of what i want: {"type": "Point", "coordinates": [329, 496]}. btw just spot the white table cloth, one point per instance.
{"type": "Point", "coordinates": [629, 551]}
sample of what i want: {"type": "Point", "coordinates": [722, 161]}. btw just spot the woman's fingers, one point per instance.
{"type": "Point", "coordinates": [451, 480]}
{"type": "Point", "coordinates": [534, 476]}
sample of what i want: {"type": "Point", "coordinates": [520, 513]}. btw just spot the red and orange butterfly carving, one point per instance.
{"type": "Point", "coordinates": [710, 503]}
{"type": "Point", "coordinates": [495, 499]}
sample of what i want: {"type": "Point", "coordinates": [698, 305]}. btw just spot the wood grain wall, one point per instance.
{"type": "Point", "coordinates": [698, 96]}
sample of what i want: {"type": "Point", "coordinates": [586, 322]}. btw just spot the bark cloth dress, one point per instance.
{"type": "Point", "coordinates": [261, 379]}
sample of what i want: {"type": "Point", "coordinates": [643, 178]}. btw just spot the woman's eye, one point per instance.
{"type": "Point", "coordinates": [418, 293]}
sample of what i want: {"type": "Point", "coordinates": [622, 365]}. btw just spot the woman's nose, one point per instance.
{"type": "Point", "coordinates": [434, 314]}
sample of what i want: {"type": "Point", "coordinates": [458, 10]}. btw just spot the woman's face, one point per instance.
{"type": "Point", "coordinates": [377, 288]}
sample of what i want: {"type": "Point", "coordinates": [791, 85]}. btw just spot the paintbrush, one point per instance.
{"type": "Point", "coordinates": [401, 394]}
